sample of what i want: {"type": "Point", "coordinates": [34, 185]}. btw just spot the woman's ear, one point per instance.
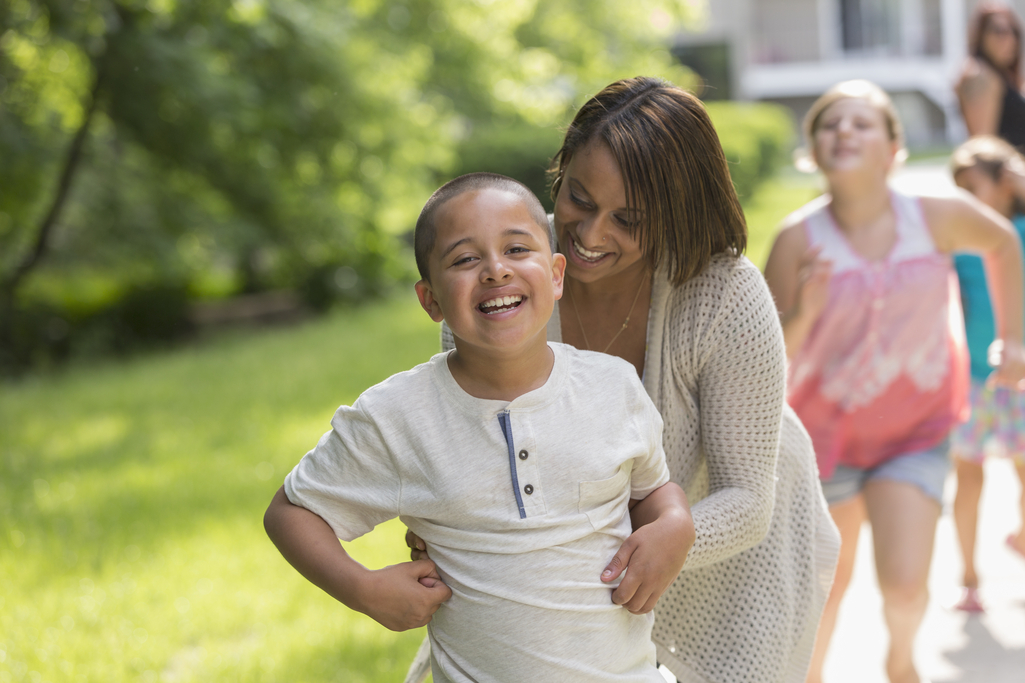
{"type": "Point", "coordinates": [426, 296]}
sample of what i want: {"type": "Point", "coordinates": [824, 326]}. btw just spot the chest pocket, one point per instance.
{"type": "Point", "coordinates": [599, 499]}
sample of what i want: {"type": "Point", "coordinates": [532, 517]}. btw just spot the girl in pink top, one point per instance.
{"type": "Point", "coordinates": [878, 361]}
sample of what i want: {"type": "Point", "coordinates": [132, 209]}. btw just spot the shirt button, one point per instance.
{"type": "Point", "coordinates": [528, 489]}
{"type": "Point", "coordinates": [523, 455]}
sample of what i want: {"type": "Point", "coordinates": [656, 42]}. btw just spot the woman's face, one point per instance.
{"type": "Point", "coordinates": [852, 136]}
{"type": "Point", "coordinates": [592, 221]}
{"type": "Point", "coordinates": [998, 41]}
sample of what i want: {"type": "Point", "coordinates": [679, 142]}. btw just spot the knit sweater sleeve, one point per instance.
{"type": "Point", "coordinates": [737, 369]}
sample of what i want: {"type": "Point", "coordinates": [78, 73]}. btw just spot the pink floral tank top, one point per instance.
{"type": "Point", "coordinates": [884, 370]}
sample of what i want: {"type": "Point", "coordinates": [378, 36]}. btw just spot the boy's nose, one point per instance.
{"type": "Point", "coordinates": [496, 269]}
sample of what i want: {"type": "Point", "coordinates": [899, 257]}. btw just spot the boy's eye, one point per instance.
{"type": "Point", "coordinates": [463, 259]}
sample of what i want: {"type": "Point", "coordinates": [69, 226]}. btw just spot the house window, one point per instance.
{"type": "Point", "coordinates": [890, 27]}
{"type": "Point", "coordinates": [870, 26]}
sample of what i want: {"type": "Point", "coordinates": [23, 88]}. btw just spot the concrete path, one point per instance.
{"type": "Point", "coordinates": [952, 647]}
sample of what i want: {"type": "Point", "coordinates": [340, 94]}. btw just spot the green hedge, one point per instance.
{"type": "Point", "coordinates": [757, 138]}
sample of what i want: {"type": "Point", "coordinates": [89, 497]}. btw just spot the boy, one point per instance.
{"type": "Point", "coordinates": [514, 459]}
{"type": "Point", "coordinates": [994, 171]}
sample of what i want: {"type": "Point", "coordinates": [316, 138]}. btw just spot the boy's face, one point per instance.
{"type": "Point", "coordinates": [993, 193]}
{"type": "Point", "coordinates": [494, 278]}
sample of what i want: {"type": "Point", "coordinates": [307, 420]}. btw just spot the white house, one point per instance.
{"type": "Point", "coordinates": [791, 51]}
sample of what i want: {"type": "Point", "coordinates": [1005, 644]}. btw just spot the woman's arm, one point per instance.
{"type": "Point", "coordinates": [980, 93]}
{"type": "Point", "coordinates": [799, 282]}
{"type": "Point", "coordinates": [655, 551]}
{"type": "Point", "coordinates": [738, 364]}
{"type": "Point", "coordinates": [963, 223]}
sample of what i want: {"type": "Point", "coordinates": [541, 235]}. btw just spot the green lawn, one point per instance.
{"type": "Point", "coordinates": [788, 191]}
{"type": "Point", "coordinates": [131, 497]}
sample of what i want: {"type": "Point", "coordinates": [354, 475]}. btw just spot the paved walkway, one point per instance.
{"type": "Point", "coordinates": [952, 647]}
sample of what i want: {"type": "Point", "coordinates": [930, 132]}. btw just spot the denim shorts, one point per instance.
{"type": "Point", "coordinates": [925, 469]}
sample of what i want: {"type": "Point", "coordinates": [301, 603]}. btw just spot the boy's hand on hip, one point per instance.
{"type": "Point", "coordinates": [404, 596]}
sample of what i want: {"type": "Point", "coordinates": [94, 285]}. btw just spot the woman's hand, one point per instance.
{"type": "Point", "coordinates": [653, 555]}
{"type": "Point", "coordinates": [416, 545]}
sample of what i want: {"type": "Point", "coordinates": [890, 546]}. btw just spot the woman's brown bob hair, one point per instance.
{"type": "Point", "coordinates": [673, 167]}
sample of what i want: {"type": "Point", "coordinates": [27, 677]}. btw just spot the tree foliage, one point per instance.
{"type": "Point", "coordinates": [269, 139]}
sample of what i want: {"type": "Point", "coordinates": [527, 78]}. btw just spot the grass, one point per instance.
{"type": "Point", "coordinates": [131, 497]}
{"type": "Point", "coordinates": [770, 204]}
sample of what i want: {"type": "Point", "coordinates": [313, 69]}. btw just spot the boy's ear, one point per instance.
{"type": "Point", "coordinates": [558, 274]}
{"type": "Point", "coordinates": [426, 296]}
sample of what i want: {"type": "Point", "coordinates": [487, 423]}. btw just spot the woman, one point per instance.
{"type": "Point", "coordinates": [872, 322]}
{"type": "Point", "coordinates": [653, 233]}
{"type": "Point", "coordinates": [989, 89]}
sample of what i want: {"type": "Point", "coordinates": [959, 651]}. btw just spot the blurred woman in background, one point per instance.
{"type": "Point", "coordinates": [990, 87]}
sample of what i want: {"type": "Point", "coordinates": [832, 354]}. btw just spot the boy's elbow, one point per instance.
{"type": "Point", "coordinates": [272, 516]}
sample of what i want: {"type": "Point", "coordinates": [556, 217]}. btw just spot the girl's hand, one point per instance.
{"type": "Point", "coordinates": [813, 276]}
{"type": "Point", "coordinates": [416, 545]}
{"type": "Point", "coordinates": [1009, 360]}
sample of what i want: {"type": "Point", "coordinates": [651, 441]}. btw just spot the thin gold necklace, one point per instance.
{"type": "Point", "coordinates": [626, 322]}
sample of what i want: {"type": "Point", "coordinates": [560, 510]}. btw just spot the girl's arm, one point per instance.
{"type": "Point", "coordinates": [980, 94]}
{"type": "Point", "coordinates": [399, 597]}
{"type": "Point", "coordinates": [799, 282]}
{"type": "Point", "coordinates": [963, 223]}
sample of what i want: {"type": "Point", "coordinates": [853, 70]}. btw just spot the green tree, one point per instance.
{"type": "Point", "coordinates": [164, 138]}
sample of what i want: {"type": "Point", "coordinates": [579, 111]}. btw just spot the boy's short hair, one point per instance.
{"type": "Point", "coordinates": [426, 232]}
{"type": "Point", "coordinates": [988, 153]}
{"type": "Point", "coordinates": [991, 155]}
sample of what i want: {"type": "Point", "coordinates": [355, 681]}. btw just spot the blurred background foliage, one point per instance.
{"type": "Point", "coordinates": [157, 154]}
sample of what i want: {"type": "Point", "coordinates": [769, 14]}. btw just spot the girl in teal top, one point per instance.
{"type": "Point", "coordinates": [993, 171]}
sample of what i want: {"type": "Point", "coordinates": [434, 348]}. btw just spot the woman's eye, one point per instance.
{"type": "Point", "coordinates": [578, 200]}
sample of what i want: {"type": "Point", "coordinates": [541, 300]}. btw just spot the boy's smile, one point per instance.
{"type": "Point", "coordinates": [493, 277]}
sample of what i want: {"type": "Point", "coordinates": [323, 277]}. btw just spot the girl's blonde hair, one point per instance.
{"type": "Point", "coordinates": [991, 155]}
{"type": "Point", "coordinates": [858, 89]}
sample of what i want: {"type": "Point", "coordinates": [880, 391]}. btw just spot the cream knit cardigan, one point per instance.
{"type": "Point", "coordinates": [746, 606]}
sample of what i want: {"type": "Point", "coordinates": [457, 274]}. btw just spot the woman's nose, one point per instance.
{"type": "Point", "coordinates": [592, 231]}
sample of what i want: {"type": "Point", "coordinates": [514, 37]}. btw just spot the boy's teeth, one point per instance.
{"type": "Point", "coordinates": [587, 253]}
{"type": "Point", "coordinates": [500, 303]}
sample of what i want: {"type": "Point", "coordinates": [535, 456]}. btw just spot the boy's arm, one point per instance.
{"type": "Point", "coordinates": [399, 597]}
{"type": "Point", "coordinates": [655, 551]}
